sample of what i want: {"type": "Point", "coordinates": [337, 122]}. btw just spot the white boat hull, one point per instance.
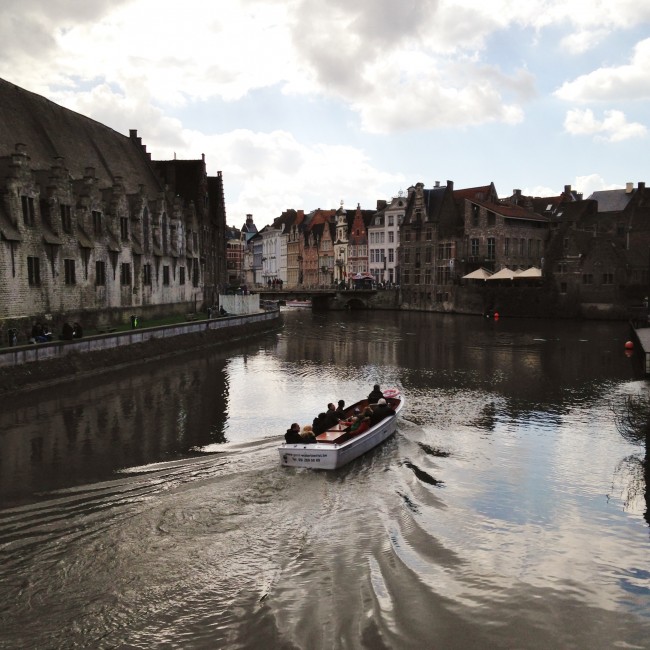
{"type": "Point", "coordinates": [333, 455]}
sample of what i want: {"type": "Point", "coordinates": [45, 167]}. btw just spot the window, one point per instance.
{"type": "Point", "coordinates": [491, 218]}
{"type": "Point", "coordinates": [474, 243]}
{"type": "Point", "coordinates": [124, 228]}
{"type": "Point", "coordinates": [146, 274]}
{"type": "Point", "coordinates": [166, 275]}
{"type": "Point", "coordinates": [429, 235]}
{"type": "Point", "coordinates": [407, 235]}
{"type": "Point", "coordinates": [390, 220]}
{"type": "Point", "coordinates": [587, 278]}
{"type": "Point", "coordinates": [66, 218]}
{"type": "Point", "coordinates": [620, 229]}
{"type": "Point", "coordinates": [491, 248]}
{"type": "Point", "coordinates": [563, 287]}
{"type": "Point", "coordinates": [530, 248]}
{"type": "Point", "coordinates": [391, 254]}
{"type": "Point", "coordinates": [97, 222]}
{"type": "Point", "coordinates": [125, 274]}
{"type": "Point", "coordinates": [69, 271]}
{"type": "Point", "coordinates": [407, 256]}
{"type": "Point", "coordinates": [34, 271]}
{"type": "Point", "coordinates": [522, 247]}
{"type": "Point", "coordinates": [506, 246]}
{"type": "Point", "coordinates": [608, 278]}
{"type": "Point", "coordinates": [28, 210]}
{"type": "Point", "coordinates": [391, 237]}
{"type": "Point", "coordinates": [428, 255]}
{"type": "Point", "coordinates": [475, 213]}
{"type": "Point", "coordinates": [181, 275]}
{"type": "Point", "coordinates": [100, 274]}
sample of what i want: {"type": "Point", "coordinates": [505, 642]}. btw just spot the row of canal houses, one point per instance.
{"type": "Point", "coordinates": [427, 239]}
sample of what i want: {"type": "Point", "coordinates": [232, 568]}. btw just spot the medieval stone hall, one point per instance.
{"type": "Point", "coordinates": [92, 229]}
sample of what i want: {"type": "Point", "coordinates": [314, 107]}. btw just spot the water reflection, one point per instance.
{"type": "Point", "coordinates": [86, 430]}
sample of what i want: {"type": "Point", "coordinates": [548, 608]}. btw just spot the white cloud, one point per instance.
{"type": "Point", "coordinates": [612, 128]}
{"type": "Point", "coordinates": [631, 81]}
{"type": "Point", "coordinates": [266, 173]}
{"type": "Point", "coordinates": [593, 183]}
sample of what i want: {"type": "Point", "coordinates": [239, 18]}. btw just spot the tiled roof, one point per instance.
{"type": "Point", "coordinates": [50, 131]}
{"type": "Point", "coordinates": [611, 200]}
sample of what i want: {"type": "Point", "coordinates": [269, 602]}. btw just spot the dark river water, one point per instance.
{"type": "Point", "coordinates": [147, 508]}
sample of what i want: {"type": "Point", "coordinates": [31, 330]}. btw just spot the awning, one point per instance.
{"type": "Point", "coordinates": [83, 239]}
{"type": "Point", "coordinates": [532, 272]}
{"type": "Point", "coordinates": [504, 274]}
{"type": "Point", "coordinates": [478, 274]}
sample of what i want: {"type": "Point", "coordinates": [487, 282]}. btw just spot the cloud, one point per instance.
{"type": "Point", "coordinates": [266, 173]}
{"type": "Point", "coordinates": [591, 183]}
{"type": "Point", "coordinates": [625, 82]}
{"type": "Point", "coordinates": [612, 128]}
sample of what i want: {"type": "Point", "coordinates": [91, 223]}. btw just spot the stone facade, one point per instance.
{"type": "Point", "coordinates": [94, 243]}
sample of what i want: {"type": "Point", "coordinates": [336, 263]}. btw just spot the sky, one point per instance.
{"type": "Point", "coordinates": [306, 104]}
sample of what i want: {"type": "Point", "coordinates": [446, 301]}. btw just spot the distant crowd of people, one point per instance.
{"type": "Point", "coordinates": [354, 423]}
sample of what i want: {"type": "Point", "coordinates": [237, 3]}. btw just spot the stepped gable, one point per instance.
{"type": "Point", "coordinates": [50, 131]}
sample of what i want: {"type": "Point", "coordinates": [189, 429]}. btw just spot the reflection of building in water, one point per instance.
{"type": "Point", "coordinates": [91, 429]}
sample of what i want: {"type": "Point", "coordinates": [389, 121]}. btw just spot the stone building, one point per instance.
{"type": "Point", "coordinates": [91, 229]}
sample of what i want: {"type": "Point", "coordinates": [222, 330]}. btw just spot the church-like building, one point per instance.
{"type": "Point", "coordinates": [92, 229]}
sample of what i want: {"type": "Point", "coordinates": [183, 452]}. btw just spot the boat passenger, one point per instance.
{"type": "Point", "coordinates": [292, 435]}
{"type": "Point", "coordinates": [340, 410]}
{"type": "Point", "coordinates": [319, 424]}
{"type": "Point", "coordinates": [331, 418]}
{"type": "Point", "coordinates": [307, 434]}
{"type": "Point", "coordinates": [381, 411]}
{"type": "Point", "coordinates": [375, 394]}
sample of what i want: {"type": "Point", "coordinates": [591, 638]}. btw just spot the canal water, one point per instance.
{"type": "Point", "coordinates": [146, 508]}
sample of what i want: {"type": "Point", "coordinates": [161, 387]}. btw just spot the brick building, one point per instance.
{"type": "Point", "coordinates": [91, 229]}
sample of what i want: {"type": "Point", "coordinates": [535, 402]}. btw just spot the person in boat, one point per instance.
{"type": "Point", "coordinates": [381, 411]}
{"type": "Point", "coordinates": [375, 394]}
{"type": "Point", "coordinates": [292, 436]}
{"type": "Point", "coordinates": [340, 410]}
{"type": "Point", "coordinates": [362, 422]}
{"type": "Point", "coordinates": [331, 418]}
{"type": "Point", "coordinates": [320, 423]}
{"type": "Point", "coordinates": [307, 434]}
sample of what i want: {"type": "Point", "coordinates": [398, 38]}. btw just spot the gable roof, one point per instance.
{"type": "Point", "coordinates": [50, 131]}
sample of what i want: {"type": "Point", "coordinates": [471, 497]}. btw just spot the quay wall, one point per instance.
{"type": "Point", "coordinates": [34, 365]}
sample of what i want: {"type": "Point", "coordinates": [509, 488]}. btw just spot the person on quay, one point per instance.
{"type": "Point", "coordinates": [292, 436]}
{"type": "Point", "coordinates": [375, 394]}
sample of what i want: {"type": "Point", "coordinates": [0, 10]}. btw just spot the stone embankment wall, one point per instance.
{"type": "Point", "coordinates": [45, 364]}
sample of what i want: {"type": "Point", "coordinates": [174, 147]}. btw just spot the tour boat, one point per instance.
{"type": "Point", "coordinates": [337, 446]}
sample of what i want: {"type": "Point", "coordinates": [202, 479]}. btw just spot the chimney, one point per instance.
{"type": "Point", "coordinates": [450, 185]}
{"type": "Point", "coordinates": [567, 189]}
{"type": "Point", "coordinates": [629, 187]}
{"type": "Point", "coordinates": [641, 185]}
{"type": "Point", "coordinates": [436, 184]}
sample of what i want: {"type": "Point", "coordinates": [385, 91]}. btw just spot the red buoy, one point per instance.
{"type": "Point", "coordinates": [629, 345]}
{"type": "Point", "coordinates": [496, 315]}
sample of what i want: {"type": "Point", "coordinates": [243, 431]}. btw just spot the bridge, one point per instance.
{"type": "Point", "coordinates": [335, 299]}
